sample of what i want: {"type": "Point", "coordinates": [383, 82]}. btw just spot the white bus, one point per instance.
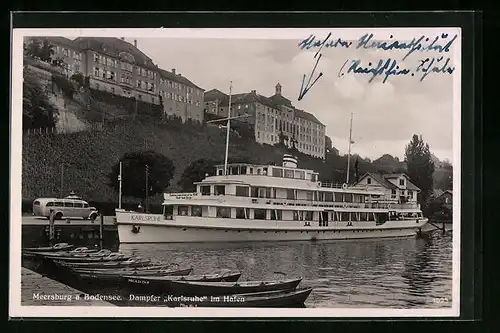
{"type": "Point", "coordinates": [70, 207]}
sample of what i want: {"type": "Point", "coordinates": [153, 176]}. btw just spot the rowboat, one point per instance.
{"type": "Point", "coordinates": [267, 299]}
{"type": "Point", "coordinates": [55, 248]}
{"type": "Point", "coordinates": [163, 283]}
{"type": "Point", "coordinates": [104, 264]}
{"type": "Point", "coordinates": [113, 257]}
{"type": "Point", "coordinates": [202, 288]}
{"type": "Point", "coordinates": [80, 252]}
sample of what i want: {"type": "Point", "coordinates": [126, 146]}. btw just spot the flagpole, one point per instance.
{"type": "Point", "coordinates": [120, 187]}
{"type": "Point", "coordinates": [349, 151]}
{"type": "Point", "coordinates": [228, 127]}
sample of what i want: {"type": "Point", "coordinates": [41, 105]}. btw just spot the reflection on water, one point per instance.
{"type": "Point", "coordinates": [397, 273]}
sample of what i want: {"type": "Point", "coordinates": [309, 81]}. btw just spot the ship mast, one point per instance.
{"type": "Point", "coordinates": [349, 151]}
{"type": "Point", "coordinates": [228, 127]}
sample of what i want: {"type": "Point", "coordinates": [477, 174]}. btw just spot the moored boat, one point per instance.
{"type": "Point", "coordinates": [163, 283]}
{"type": "Point", "coordinates": [55, 248]}
{"type": "Point", "coordinates": [273, 299]}
{"type": "Point", "coordinates": [104, 263]}
{"type": "Point", "coordinates": [203, 288]}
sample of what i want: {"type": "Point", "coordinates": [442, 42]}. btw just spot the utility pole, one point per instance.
{"type": "Point", "coordinates": [146, 206]}
{"type": "Point", "coordinates": [228, 127]}
{"type": "Point", "coordinates": [349, 152]}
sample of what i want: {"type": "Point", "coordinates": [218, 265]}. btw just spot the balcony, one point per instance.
{"type": "Point", "coordinates": [280, 203]}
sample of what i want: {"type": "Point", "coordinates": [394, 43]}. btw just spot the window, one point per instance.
{"type": "Point", "coordinates": [220, 189]}
{"type": "Point", "coordinates": [111, 75]}
{"type": "Point", "coordinates": [276, 214]}
{"type": "Point", "coordinates": [96, 71]}
{"type": "Point", "coordinates": [309, 195]}
{"type": "Point", "coordinates": [50, 204]}
{"type": "Point", "coordinates": [410, 194]}
{"type": "Point", "coordinates": [300, 174]}
{"type": "Point", "coordinates": [277, 172]}
{"type": "Point", "coordinates": [328, 197]}
{"type": "Point", "coordinates": [344, 216]}
{"type": "Point", "coordinates": [259, 214]}
{"type": "Point", "coordinates": [68, 204]}
{"type": "Point", "coordinates": [242, 213]}
{"type": "Point", "coordinates": [36, 203]}
{"type": "Point", "coordinates": [78, 205]}
{"type": "Point", "coordinates": [242, 191]}
{"type": "Point", "coordinates": [348, 197]}
{"type": "Point", "coordinates": [85, 205]}
{"type": "Point", "coordinates": [393, 193]}
{"type": "Point", "coordinates": [205, 190]}
{"type": "Point", "coordinates": [288, 173]}
{"type": "Point", "coordinates": [196, 211]}
{"type": "Point", "coordinates": [401, 182]}
{"type": "Point", "coordinates": [182, 210]}
{"type": "Point", "coordinates": [308, 216]}
{"type": "Point", "coordinates": [290, 194]}
{"type": "Point", "coordinates": [224, 212]}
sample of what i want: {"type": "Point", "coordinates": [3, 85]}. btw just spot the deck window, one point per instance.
{"type": "Point", "coordinates": [314, 177]}
{"type": "Point", "coordinates": [242, 213]}
{"type": "Point", "coordinates": [234, 171]}
{"type": "Point", "coordinates": [182, 210]}
{"type": "Point", "coordinates": [344, 216]}
{"type": "Point", "coordinates": [220, 189]}
{"type": "Point", "coordinates": [348, 197]}
{"type": "Point", "coordinates": [276, 214]}
{"type": "Point", "coordinates": [196, 211]}
{"type": "Point", "coordinates": [354, 217]}
{"type": "Point", "coordinates": [224, 212]}
{"type": "Point", "coordinates": [338, 197]}
{"type": "Point", "coordinates": [309, 195]}
{"type": "Point", "coordinates": [259, 214]}
{"type": "Point", "coordinates": [243, 170]}
{"type": "Point", "coordinates": [278, 172]}
{"type": "Point", "coordinates": [242, 191]}
{"type": "Point", "coordinates": [264, 171]}
{"type": "Point", "coordinates": [296, 215]}
{"type": "Point", "coordinates": [205, 190]}
{"type": "Point", "coordinates": [300, 174]}
{"type": "Point", "coordinates": [168, 212]}
{"type": "Point", "coordinates": [308, 216]}
{"type": "Point", "coordinates": [290, 194]}
{"type": "Point", "coordinates": [288, 173]}
{"type": "Point", "coordinates": [328, 197]}
{"type": "Point", "coordinates": [363, 216]}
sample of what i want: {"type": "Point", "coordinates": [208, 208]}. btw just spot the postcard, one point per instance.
{"type": "Point", "coordinates": [310, 172]}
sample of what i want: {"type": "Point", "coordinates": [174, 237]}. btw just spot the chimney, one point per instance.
{"type": "Point", "coordinates": [254, 91]}
{"type": "Point", "coordinates": [173, 70]}
{"type": "Point", "coordinates": [135, 42]}
{"type": "Point", "coordinates": [278, 89]}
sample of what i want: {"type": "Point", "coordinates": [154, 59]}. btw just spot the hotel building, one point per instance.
{"type": "Point", "coordinates": [121, 68]}
{"type": "Point", "coordinates": [271, 117]}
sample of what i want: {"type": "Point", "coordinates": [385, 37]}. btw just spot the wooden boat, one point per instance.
{"type": "Point", "coordinates": [55, 248]}
{"type": "Point", "coordinates": [77, 253]}
{"type": "Point", "coordinates": [77, 259]}
{"type": "Point", "coordinates": [110, 264]}
{"type": "Point", "coordinates": [266, 299]}
{"type": "Point", "coordinates": [162, 283]}
{"type": "Point", "coordinates": [188, 288]}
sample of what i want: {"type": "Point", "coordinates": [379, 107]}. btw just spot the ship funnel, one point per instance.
{"type": "Point", "coordinates": [289, 161]}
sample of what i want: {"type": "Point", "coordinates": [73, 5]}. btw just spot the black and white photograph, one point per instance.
{"type": "Point", "coordinates": [181, 172]}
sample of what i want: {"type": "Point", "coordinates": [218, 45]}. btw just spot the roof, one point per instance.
{"type": "Point", "coordinates": [308, 116]}
{"type": "Point", "coordinates": [242, 98]}
{"type": "Point", "coordinates": [112, 46]}
{"type": "Point", "coordinates": [445, 192]}
{"type": "Point", "coordinates": [56, 40]}
{"type": "Point", "coordinates": [436, 193]}
{"type": "Point", "coordinates": [280, 100]}
{"type": "Point", "coordinates": [177, 77]}
{"type": "Point", "coordinates": [382, 179]}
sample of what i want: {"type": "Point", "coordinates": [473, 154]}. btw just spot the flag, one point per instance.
{"type": "Point", "coordinates": [356, 169]}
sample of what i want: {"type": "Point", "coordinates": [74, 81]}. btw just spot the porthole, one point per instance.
{"type": "Point", "coordinates": [184, 229]}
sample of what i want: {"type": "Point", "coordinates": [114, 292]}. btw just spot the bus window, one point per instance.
{"type": "Point", "coordinates": [68, 204]}
{"type": "Point", "coordinates": [85, 205]}
{"type": "Point", "coordinates": [78, 205]}
{"type": "Point", "coordinates": [50, 204]}
{"type": "Point", "coordinates": [36, 203]}
{"type": "Point", "coordinates": [58, 204]}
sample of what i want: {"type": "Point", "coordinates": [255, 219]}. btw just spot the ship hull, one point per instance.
{"type": "Point", "coordinates": [158, 230]}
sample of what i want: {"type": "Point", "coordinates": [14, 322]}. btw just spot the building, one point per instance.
{"type": "Point", "coordinates": [272, 117]}
{"type": "Point", "coordinates": [121, 68]}
{"type": "Point", "coordinates": [441, 206]}
{"type": "Point", "coordinates": [397, 188]}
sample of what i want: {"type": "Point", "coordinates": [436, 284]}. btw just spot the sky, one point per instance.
{"type": "Point", "coordinates": [385, 115]}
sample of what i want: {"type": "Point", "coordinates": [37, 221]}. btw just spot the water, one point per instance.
{"type": "Point", "coordinates": [383, 273]}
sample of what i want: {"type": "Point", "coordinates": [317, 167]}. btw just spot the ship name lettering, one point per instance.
{"type": "Point", "coordinates": [145, 218]}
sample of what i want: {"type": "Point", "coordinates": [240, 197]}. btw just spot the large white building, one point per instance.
{"type": "Point", "coordinates": [272, 117]}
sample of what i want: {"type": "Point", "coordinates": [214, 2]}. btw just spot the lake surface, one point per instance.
{"type": "Point", "coordinates": [379, 273]}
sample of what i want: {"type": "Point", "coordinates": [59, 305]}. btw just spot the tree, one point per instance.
{"type": "Point", "coordinates": [46, 51]}
{"type": "Point", "coordinates": [38, 112]}
{"type": "Point", "coordinates": [160, 172]}
{"type": "Point", "coordinates": [420, 166]}
{"type": "Point", "coordinates": [78, 78]}
{"type": "Point", "coordinates": [33, 48]}
{"type": "Point", "coordinates": [195, 172]}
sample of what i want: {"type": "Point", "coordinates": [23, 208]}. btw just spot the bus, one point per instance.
{"type": "Point", "coordinates": [71, 206]}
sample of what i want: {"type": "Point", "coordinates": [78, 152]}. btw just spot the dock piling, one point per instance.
{"type": "Point", "coordinates": [101, 225]}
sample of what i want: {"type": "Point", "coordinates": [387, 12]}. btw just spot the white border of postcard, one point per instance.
{"type": "Point", "coordinates": [17, 310]}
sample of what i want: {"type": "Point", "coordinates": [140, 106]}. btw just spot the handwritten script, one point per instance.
{"type": "Point", "coordinates": [435, 62]}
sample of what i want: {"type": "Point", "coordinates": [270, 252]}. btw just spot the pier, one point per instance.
{"type": "Point", "coordinates": [39, 290]}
